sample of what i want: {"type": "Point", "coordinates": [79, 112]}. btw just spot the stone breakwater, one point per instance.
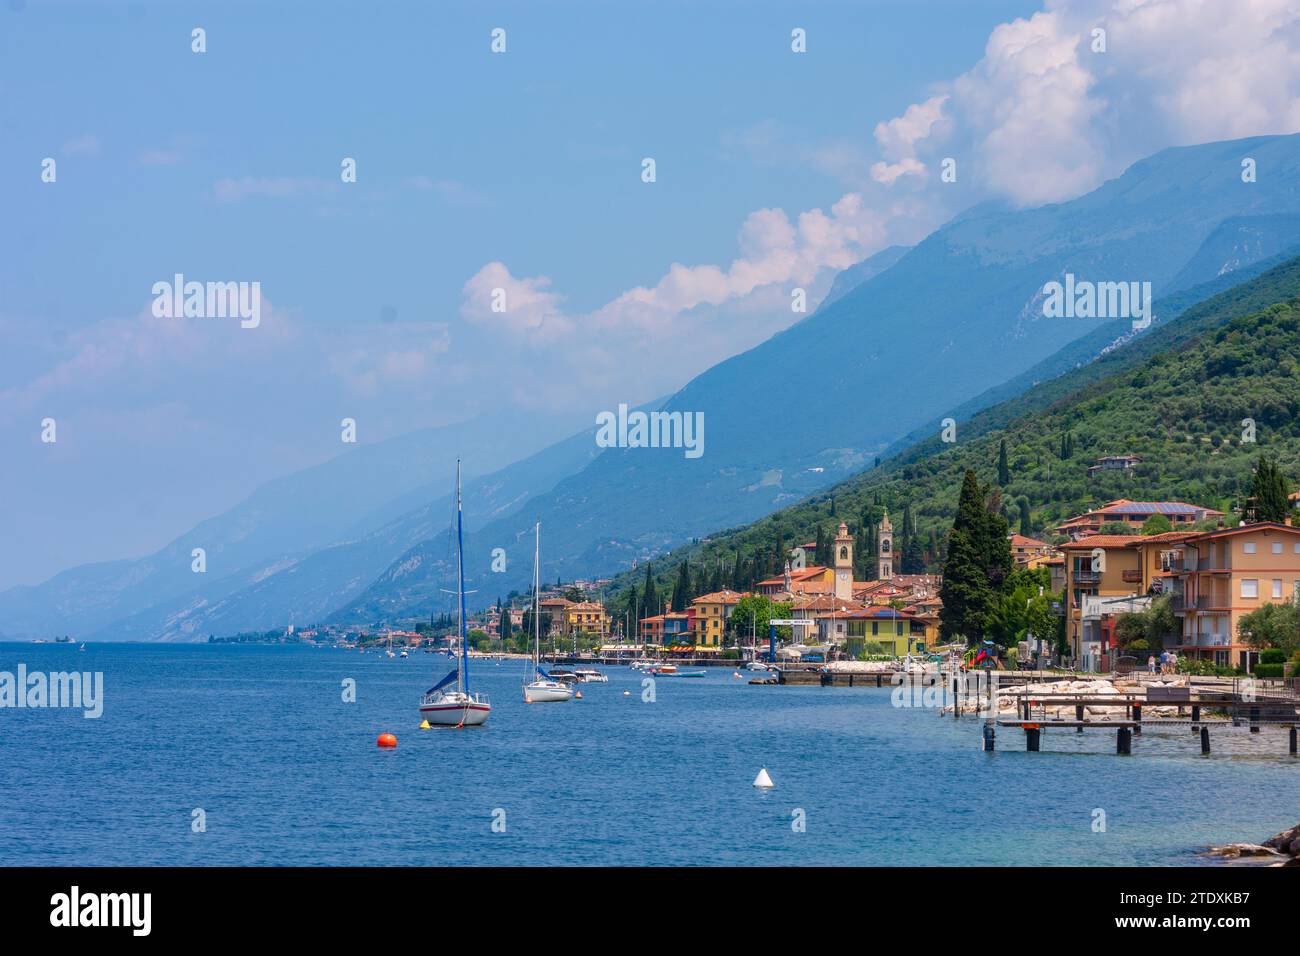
{"type": "Point", "coordinates": [1281, 850]}
{"type": "Point", "coordinates": [1010, 699]}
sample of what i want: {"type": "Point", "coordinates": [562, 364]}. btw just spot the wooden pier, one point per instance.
{"type": "Point", "coordinates": [1242, 710]}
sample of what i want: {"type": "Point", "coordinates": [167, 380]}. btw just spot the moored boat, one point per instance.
{"type": "Point", "coordinates": [442, 705]}
{"type": "Point", "coordinates": [545, 688]}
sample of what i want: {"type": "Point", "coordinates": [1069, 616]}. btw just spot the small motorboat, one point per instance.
{"type": "Point", "coordinates": [589, 676]}
{"type": "Point", "coordinates": [667, 670]}
{"type": "Point", "coordinates": [677, 673]}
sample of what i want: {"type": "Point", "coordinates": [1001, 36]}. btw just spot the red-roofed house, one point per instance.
{"type": "Point", "coordinates": [1135, 514]}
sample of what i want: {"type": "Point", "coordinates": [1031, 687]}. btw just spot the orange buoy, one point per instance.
{"type": "Point", "coordinates": [386, 740]}
{"type": "Point", "coordinates": [578, 694]}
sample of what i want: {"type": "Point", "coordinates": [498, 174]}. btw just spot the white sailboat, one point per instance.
{"type": "Point", "coordinates": [544, 689]}
{"type": "Point", "coordinates": [441, 704]}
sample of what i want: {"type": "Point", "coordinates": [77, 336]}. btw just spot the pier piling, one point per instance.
{"type": "Point", "coordinates": [1123, 741]}
{"type": "Point", "coordinates": [990, 735]}
{"type": "Point", "coordinates": [1032, 739]}
{"type": "Point", "coordinates": [1293, 750]}
{"type": "Point", "coordinates": [1205, 740]}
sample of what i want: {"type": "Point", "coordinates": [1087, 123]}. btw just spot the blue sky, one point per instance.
{"type": "Point", "coordinates": [520, 171]}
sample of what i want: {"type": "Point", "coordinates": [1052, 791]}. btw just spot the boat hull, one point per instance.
{"type": "Point", "coordinates": [455, 713]}
{"type": "Point", "coordinates": [547, 693]}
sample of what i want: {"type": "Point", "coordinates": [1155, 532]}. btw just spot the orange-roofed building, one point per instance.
{"type": "Point", "coordinates": [1134, 514]}
{"type": "Point", "coordinates": [1029, 552]}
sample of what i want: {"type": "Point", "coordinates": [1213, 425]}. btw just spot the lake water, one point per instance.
{"type": "Point", "coordinates": [285, 772]}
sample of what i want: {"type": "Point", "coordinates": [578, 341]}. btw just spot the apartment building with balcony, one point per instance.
{"type": "Point", "coordinates": [1110, 575]}
{"type": "Point", "coordinates": [1222, 576]}
{"type": "Point", "coordinates": [1099, 569]}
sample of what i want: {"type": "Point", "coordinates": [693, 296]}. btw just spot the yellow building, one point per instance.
{"type": "Point", "coordinates": [1102, 566]}
{"type": "Point", "coordinates": [1214, 578]}
{"type": "Point", "coordinates": [711, 614]}
{"type": "Point", "coordinates": [585, 617]}
{"type": "Point", "coordinates": [1224, 575]}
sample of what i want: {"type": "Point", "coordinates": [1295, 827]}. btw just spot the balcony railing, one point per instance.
{"type": "Point", "coordinates": [1202, 603]}
{"type": "Point", "coordinates": [1086, 577]}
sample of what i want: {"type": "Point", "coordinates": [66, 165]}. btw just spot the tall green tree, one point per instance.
{"type": "Point", "coordinates": [682, 590]}
{"type": "Point", "coordinates": [1269, 492]}
{"type": "Point", "coordinates": [1004, 472]}
{"type": "Point", "coordinates": [649, 596]}
{"type": "Point", "coordinates": [978, 566]}
{"type": "Point", "coordinates": [1026, 518]}
{"type": "Point", "coordinates": [912, 560]}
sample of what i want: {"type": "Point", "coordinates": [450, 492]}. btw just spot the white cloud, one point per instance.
{"type": "Point", "coordinates": [524, 306]}
{"type": "Point", "coordinates": [1042, 117]}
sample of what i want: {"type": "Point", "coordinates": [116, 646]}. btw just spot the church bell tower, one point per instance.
{"type": "Point", "coordinates": [843, 564]}
{"type": "Point", "coordinates": [885, 555]}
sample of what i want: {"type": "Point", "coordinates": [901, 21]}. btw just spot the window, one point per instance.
{"type": "Point", "coordinates": [1277, 547]}
{"type": "Point", "coordinates": [1249, 588]}
{"type": "Point", "coordinates": [1295, 548]}
{"type": "Point", "coordinates": [1277, 587]}
{"type": "Point", "coordinates": [1248, 547]}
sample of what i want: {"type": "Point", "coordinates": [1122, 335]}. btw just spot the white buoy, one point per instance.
{"type": "Point", "coordinates": [763, 781]}
{"type": "Point", "coordinates": [627, 693]}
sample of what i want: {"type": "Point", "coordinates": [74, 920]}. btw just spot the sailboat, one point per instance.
{"type": "Point", "coordinates": [544, 688]}
{"type": "Point", "coordinates": [441, 704]}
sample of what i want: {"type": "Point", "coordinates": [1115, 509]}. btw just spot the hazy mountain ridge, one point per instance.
{"type": "Point", "coordinates": [941, 325]}
{"type": "Point", "coordinates": [949, 318]}
{"type": "Point", "coordinates": [1176, 397]}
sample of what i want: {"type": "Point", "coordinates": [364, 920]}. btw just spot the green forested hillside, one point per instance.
{"type": "Point", "coordinates": [1180, 409]}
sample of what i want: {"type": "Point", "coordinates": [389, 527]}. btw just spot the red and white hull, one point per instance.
{"type": "Point", "coordinates": [456, 710]}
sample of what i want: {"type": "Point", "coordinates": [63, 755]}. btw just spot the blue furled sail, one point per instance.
{"type": "Point", "coordinates": [542, 674]}
{"type": "Point", "coordinates": [451, 676]}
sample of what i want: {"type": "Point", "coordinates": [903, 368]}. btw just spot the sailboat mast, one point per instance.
{"type": "Point", "coordinates": [537, 584]}
{"type": "Point", "coordinates": [462, 678]}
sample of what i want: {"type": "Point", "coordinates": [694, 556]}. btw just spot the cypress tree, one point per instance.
{"type": "Point", "coordinates": [1026, 519]}
{"type": "Point", "coordinates": [978, 563]}
{"type": "Point", "coordinates": [1004, 472]}
{"type": "Point", "coordinates": [1269, 490]}
{"type": "Point", "coordinates": [649, 597]}
{"type": "Point", "coordinates": [682, 591]}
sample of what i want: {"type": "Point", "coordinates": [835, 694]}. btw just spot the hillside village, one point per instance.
{"type": "Point", "coordinates": [1128, 578]}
